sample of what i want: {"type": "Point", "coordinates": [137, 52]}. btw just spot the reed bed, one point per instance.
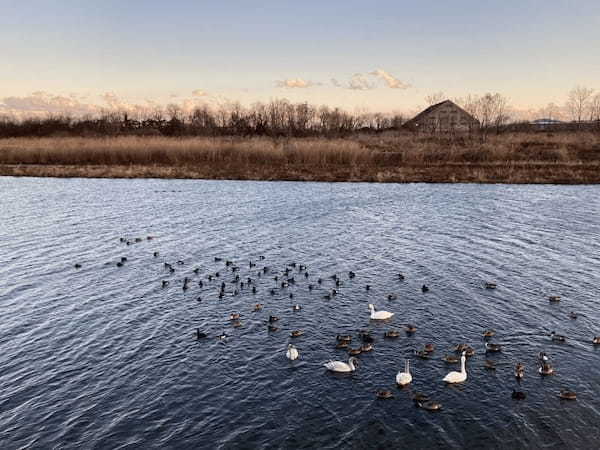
{"type": "Point", "coordinates": [514, 157]}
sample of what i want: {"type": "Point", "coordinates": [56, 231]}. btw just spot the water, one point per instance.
{"type": "Point", "coordinates": [103, 357]}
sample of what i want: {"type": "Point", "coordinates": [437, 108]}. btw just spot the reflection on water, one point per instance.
{"type": "Point", "coordinates": [103, 356]}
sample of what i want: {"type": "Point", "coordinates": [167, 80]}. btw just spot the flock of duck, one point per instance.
{"type": "Point", "coordinates": [285, 279]}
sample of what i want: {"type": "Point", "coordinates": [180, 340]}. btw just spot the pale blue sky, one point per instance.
{"type": "Point", "coordinates": [532, 51]}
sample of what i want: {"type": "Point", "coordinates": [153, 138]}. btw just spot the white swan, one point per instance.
{"type": "Point", "coordinates": [339, 366]}
{"type": "Point", "coordinates": [292, 352]}
{"type": "Point", "coordinates": [379, 315]}
{"type": "Point", "coordinates": [404, 378]}
{"type": "Point", "coordinates": [458, 377]}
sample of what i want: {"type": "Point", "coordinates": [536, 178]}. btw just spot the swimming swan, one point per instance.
{"type": "Point", "coordinates": [292, 353]}
{"type": "Point", "coordinates": [339, 366]}
{"type": "Point", "coordinates": [379, 315]}
{"type": "Point", "coordinates": [458, 377]}
{"type": "Point", "coordinates": [404, 378]}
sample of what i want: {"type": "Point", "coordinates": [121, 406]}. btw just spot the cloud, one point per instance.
{"type": "Point", "coordinates": [359, 82]}
{"type": "Point", "coordinates": [295, 83]}
{"type": "Point", "coordinates": [392, 82]}
{"type": "Point", "coordinates": [335, 83]}
{"type": "Point", "coordinates": [199, 93]}
{"type": "Point", "coordinates": [43, 103]}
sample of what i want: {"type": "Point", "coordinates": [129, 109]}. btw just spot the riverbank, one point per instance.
{"type": "Point", "coordinates": [514, 158]}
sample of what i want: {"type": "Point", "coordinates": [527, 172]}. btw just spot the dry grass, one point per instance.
{"type": "Point", "coordinates": [511, 158]}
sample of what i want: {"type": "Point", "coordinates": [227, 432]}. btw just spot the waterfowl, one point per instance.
{"type": "Point", "coordinates": [367, 338]}
{"type": "Point", "coordinates": [546, 369]}
{"type": "Point", "coordinates": [392, 297]}
{"type": "Point", "coordinates": [451, 359]}
{"type": "Point", "coordinates": [567, 395]}
{"type": "Point", "coordinates": [272, 328]}
{"type": "Point", "coordinates": [543, 357]}
{"type": "Point", "coordinates": [77, 266]}
{"type": "Point", "coordinates": [119, 264]}
{"type": "Point", "coordinates": [557, 337]}
{"type": "Point", "coordinates": [351, 275]}
{"type": "Point", "coordinates": [384, 394]}
{"type": "Point", "coordinates": [424, 288]}
{"type": "Point", "coordinates": [155, 254]}
{"type": "Point", "coordinates": [296, 307]}
{"type": "Point", "coordinates": [391, 334]}
{"type": "Point", "coordinates": [343, 337]}
{"type": "Point", "coordinates": [222, 336]}
{"type": "Point", "coordinates": [573, 315]}
{"type": "Point", "coordinates": [554, 298]}
{"type": "Point", "coordinates": [236, 324]}
{"type": "Point", "coordinates": [429, 348]}
{"type": "Point", "coordinates": [379, 315]}
{"type": "Point", "coordinates": [200, 334]}
{"type": "Point", "coordinates": [272, 291]}
{"type": "Point", "coordinates": [518, 395]}
{"type": "Point", "coordinates": [199, 299]}
{"type": "Point", "coordinates": [429, 405]}
{"type": "Point", "coordinates": [489, 365]}
{"type": "Point", "coordinates": [296, 333]}
{"type": "Point", "coordinates": [492, 348]}
{"type": "Point", "coordinates": [180, 262]}
{"type": "Point", "coordinates": [200, 283]}
{"type": "Point", "coordinates": [310, 287]}
{"type": "Point", "coordinates": [258, 307]}
{"type": "Point", "coordinates": [400, 276]}
{"type": "Point", "coordinates": [137, 239]}
{"type": "Point", "coordinates": [596, 340]}
{"type": "Point", "coordinates": [354, 351]}
{"type": "Point", "coordinates": [410, 328]}
{"type": "Point", "coordinates": [519, 371]}
{"type": "Point", "coordinates": [458, 377]}
{"type": "Point", "coordinates": [489, 333]}
{"type": "Point", "coordinates": [368, 287]}
{"type": "Point", "coordinates": [292, 352]}
{"type": "Point", "coordinates": [420, 397]}
{"type": "Point", "coordinates": [422, 354]}
{"type": "Point", "coordinates": [165, 283]}
{"type": "Point", "coordinates": [273, 318]}
{"type": "Point", "coordinates": [327, 297]}
{"type": "Point", "coordinates": [467, 349]}
{"type": "Point", "coordinates": [490, 285]}
{"type": "Point", "coordinates": [342, 367]}
{"type": "Point", "coordinates": [404, 378]}
{"type": "Point", "coordinates": [366, 348]}
{"type": "Point", "coordinates": [342, 344]}
{"type": "Point", "coordinates": [234, 316]}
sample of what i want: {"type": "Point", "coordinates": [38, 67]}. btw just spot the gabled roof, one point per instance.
{"type": "Point", "coordinates": [436, 106]}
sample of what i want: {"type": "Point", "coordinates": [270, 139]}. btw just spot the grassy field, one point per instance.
{"type": "Point", "coordinates": [570, 158]}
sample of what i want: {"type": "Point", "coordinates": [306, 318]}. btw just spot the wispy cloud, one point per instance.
{"type": "Point", "coordinates": [42, 102]}
{"type": "Point", "coordinates": [296, 83]}
{"type": "Point", "coordinates": [391, 81]}
{"type": "Point", "coordinates": [359, 82]}
{"type": "Point", "coordinates": [199, 93]}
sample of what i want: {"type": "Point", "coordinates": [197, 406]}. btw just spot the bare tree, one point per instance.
{"type": "Point", "coordinates": [434, 98]}
{"type": "Point", "coordinates": [577, 103]}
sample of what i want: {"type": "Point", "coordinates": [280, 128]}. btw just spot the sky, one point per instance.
{"type": "Point", "coordinates": [361, 55]}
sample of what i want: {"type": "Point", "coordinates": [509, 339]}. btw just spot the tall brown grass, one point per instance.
{"type": "Point", "coordinates": [384, 157]}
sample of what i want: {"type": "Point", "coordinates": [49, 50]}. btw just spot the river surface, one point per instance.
{"type": "Point", "coordinates": [103, 356]}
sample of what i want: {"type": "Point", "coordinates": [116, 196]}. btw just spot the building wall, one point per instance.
{"type": "Point", "coordinates": [445, 118]}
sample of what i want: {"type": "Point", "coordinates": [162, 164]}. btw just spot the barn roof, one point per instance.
{"type": "Point", "coordinates": [437, 105]}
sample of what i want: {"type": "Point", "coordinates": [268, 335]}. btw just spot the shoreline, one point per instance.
{"type": "Point", "coordinates": [478, 173]}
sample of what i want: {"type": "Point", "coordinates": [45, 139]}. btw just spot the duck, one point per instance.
{"type": "Point", "coordinates": [596, 340]}
{"type": "Point", "coordinates": [341, 344]}
{"type": "Point", "coordinates": [379, 315]}
{"type": "Point", "coordinates": [422, 354]}
{"type": "Point", "coordinates": [272, 328]}
{"type": "Point", "coordinates": [489, 365]}
{"type": "Point", "coordinates": [165, 283]}
{"type": "Point", "coordinates": [420, 397]}
{"type": "Point", "coordinates": [296, 333]}
{"type": "Point", "coordinates": [234, 316]}
{"type": "Point", "coordinates": [391, 334]}
{"type": "Point", "coordinates": [567, 395]}
{"type": "Point", "coordinates": [410, 328]}
{"type": "Point", "coordinates": [573, 315]}
{"type": "Point", "coordinates": [450, 359]}
{"type": "Point", "coordinates": [392, 297]}
{"type": "Point", "coordinates": [354, 351]}
{"type": "Point", "coordinates": [351, 275]}
{"type": "Point", "coordinates": [366, 337]}
{"type": "Point", "coordinates": [554, 298]}
{"type": "Point", "coordinates": [296, 308]}
{"type": "Point", "coordinates": [342, 367]}
{"type": "Point", "coordinates": [368, 287]}
{"type": "Point", "coordinates": [518, 395]}
{"type": "Point", "coordinates": [428, 405]}
{"type": "Point", "coordinates": [489, 333]}
{"type": "Point", "coordinates": [519, 371]}
{"type": "Point", "coordinates": [404, 378]}
{"type": "Point", "coordinates": [155, 254]}
{"type": "Point", "coordinates": [543, 357]}
{"type": "Point", "coordinates": [401, 276]}
{"type": "Point", "coordinates": [490, 285]}
{"type": "Point", "coordinates": [273, 318]}
{"type": "Point", "coordinates": [77, 266]}
{"type": "Point", "coordinates": [492, 348]}
{"type": "Point", "coordinates": [546, 369]}
{"type": "Point", "coordinates": [366, 348]}
{"type": "Point", "coordinates": [429, 348]}
{"type": "Point", "coordinates": [424, 288]}
{"type": "Point", "coordinates": [200, 334]}
{"type": "Point", "coordinates": [343, 337]}
{"type": "Point", "coordinates": [458, 377]}
{"type": "Point", "coordinates": [222, 336]}
{"type": "Point", "coordinates": [258, 307]}
{"type": "Point", "coordinates": [236, 324]}
{"type": "Point", "coordinates": [384, 394]}
{"type": "Point", "coordinates": [292, 353]}
{"type": "Point", "coordinates": [558, 337]}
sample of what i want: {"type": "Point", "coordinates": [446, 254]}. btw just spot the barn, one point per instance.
{"type": "Point", "coordinates": [443, 117]}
